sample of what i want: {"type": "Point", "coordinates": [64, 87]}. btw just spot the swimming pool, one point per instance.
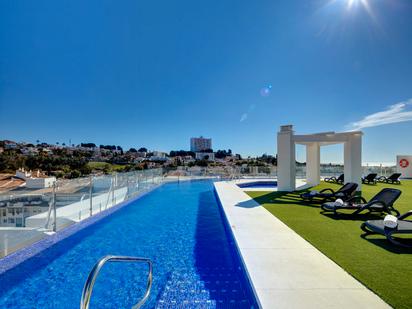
{"type": "Point", "coordinates": [179, 226]}
{"type": "Point", "coordinates": [258, 184]}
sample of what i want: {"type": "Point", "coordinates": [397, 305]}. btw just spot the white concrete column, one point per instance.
{"type": "Point", "coordinates": [286, 159]}
{"type": "Point", "coordinates": [313, 164]}
{"type": "Point", "coordinates": [353, 159]}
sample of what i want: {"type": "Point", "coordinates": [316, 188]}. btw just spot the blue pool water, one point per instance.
{"type": "Point", "coordinates": [179, 226]}
{"type": "Point", "coordinates": [259, 184]}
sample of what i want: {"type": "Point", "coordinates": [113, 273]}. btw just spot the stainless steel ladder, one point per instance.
{"type": "Point", "coordinates": [91, 279]}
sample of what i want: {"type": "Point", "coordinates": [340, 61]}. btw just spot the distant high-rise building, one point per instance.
{"type": "Point", "coordinates": [200, 144]}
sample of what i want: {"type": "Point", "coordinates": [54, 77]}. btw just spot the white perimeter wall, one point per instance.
{"type": "Point", "coordinates": [14, 238]}
{"type": "Point", "coordinates": [80, 210]}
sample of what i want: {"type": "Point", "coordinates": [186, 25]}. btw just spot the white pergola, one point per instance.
{"type": "Point", "coordinates": [287, 141]}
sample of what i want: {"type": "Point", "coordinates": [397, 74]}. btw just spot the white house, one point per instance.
{"type": "Point", "coordinates": [23, 174]}
{"type": "Point", "coordinates": [36, 180]}
{"type": "Point", "coordinates": [40, 183]}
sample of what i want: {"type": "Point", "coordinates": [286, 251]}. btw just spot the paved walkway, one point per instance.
{"type": "Point", "coordinates": [286, 270]}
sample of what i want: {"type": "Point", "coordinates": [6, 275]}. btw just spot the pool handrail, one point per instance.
{"type": "Point", "coordinates": [91, 279]}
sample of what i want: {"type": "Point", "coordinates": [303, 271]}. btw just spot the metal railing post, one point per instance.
{"type": "Point", "coordinates": [54, 208]}
{"type": "Point", "coordinates": [91, 196]}
{"type": "Point", "coordinates": [114, 184]}
{"type": "Point", "coordinates": [128, 187]}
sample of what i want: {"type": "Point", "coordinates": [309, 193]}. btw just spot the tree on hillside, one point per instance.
{"type": "Point", "coordinates": [207, 150]}
{"type": "Point", "coordinates": [181, 153]}
{"type": "Point", "coordinates": [142, 149]}
{"type": "Point", "coordinates": [88, 145]}
{"type": "Point", "coordinates": [221, 154]}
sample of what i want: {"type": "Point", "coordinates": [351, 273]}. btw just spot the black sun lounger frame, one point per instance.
{"type": "Point", "coordinates": [333, 179]}
{"type": "Point", "coordinates": [370, 178]}
{"type": "Point", "coordinates": [344, 193]}
{"type": "Point", "coordinates": [380, 203]}
{"type": "Point", "coordinates": [377, 227]}
{"type": "Point", "coordinates": [393, 179]}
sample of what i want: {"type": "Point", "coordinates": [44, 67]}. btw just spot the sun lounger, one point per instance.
{"type": "Point", "coordinates": [344, 193]}
{"type": "Point", "coordinates": [394, 179]}
{"type": "Point", "coordinates": [403, 227]}
{"type": "Point", "coordinates": [332, 179]}
{"type": "Point", "coordinates": [381, 202]}
{"type": "Point", "coordinates": [370, 178]}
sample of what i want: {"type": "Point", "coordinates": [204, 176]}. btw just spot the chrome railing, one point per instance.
{"type": "Point", "coordinates": [91, 279]}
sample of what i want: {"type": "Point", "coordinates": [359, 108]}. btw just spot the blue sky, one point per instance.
{"type": "Point", "coordinates": [155, 73]}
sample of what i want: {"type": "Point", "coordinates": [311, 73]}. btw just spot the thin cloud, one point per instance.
{"type": "Point", "coordinates": [399, 112]}
{"type": "Point", "coordinates": [243, 117]}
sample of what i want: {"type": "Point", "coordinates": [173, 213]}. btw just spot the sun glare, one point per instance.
{"type": "Point", "coordinates": [351, 2]}
{"type": "Point", "coordinates": [352, 5]}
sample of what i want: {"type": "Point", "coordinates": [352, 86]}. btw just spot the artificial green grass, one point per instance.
{"type": "Point", "coordinates": [379, 265]}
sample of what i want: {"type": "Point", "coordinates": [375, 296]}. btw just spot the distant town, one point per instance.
{"type": "Point", "coordinates": [62, 160]}
{"type": "Point", "coordinates": [29, 171]}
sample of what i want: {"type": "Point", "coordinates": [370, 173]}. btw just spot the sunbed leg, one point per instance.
{"type": "Point", "coordinates": [395, 242]}
{"type": "Point", "coordinates": [365, 229]}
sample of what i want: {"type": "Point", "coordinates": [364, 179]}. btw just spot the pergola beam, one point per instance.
{"type": "Point", "coordinates": [330, 137]}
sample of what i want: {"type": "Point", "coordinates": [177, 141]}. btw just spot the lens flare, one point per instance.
{"type": "Point", "coordinates": [265, 91]}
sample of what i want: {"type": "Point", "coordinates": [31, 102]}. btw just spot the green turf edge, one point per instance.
{"type": "Point", "coordinates": [380, 266]}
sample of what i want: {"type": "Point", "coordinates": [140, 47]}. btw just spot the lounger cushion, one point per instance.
{"type": "Point", "coordinates": [332, 206]}
{"type": "Point", "coordinates": [318, 195]}
{"type": "Point", "coordinates": [404, 227]}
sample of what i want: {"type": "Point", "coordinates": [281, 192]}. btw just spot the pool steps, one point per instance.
{"type": "Point", "coordinates": [216, 287]}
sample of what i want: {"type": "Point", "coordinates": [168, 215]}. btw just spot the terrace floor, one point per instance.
{"type": "Point", "coordinates": [286, 270]}
{"type": "Point", "coordinates": [380, 266]}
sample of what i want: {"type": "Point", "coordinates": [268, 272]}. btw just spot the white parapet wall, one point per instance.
{"type": "Point", "coordinates": [14, 238]}
{"type": "Point", "coordinates": [78, 211]}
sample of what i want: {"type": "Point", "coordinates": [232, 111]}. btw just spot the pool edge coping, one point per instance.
{"type": "Point", "coordinates": [376, 297]}
{"type": "Point", "coordinates": [237, 247]}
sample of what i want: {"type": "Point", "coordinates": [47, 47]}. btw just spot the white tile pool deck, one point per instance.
{"type": "Point", "coordinates": [287, 271]}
